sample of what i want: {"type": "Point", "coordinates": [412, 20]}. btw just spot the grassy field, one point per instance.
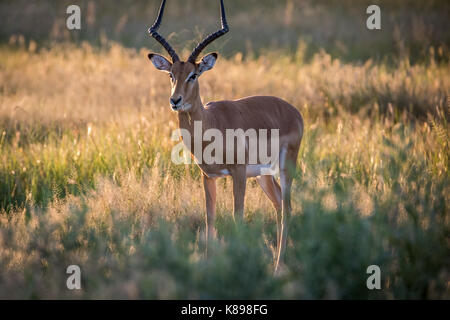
{"type": "Point", "coordinates": [86, 176]}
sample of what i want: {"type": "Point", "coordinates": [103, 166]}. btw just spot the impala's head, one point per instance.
{"type": "Point", "coordinates": [184, 74]}
{"type": "Point", "coordinates": [183, 77]}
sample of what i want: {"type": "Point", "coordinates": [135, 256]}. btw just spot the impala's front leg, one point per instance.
{"type": "Point", "coordinates": [209, 185]}
{"type": "Point", "coordinates": [239, 176]}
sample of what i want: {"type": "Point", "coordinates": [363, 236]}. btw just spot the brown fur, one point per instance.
{"type": "Point", "coordinates": [257, 112]}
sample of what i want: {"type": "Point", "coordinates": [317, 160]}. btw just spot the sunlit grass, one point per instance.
{"type": "Point", "coordinates": [86, 178]}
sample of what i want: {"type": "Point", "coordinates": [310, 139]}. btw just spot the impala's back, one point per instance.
{"type": "Point", "coordinates": [257, 112]}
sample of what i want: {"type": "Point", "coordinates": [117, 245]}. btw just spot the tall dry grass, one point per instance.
{"type": "Point", "coordinates": [86, 178]}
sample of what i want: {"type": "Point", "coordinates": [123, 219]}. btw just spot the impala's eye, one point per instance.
{"type": "Point", "coordinates": [171, 77]}
{"type": "Point", "coordinates": [193, 77]}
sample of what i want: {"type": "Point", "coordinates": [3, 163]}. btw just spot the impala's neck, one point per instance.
{"type": "Point", "coordinates": [195, 113]}
{"type": "Point", "coordinates": [186, 121]}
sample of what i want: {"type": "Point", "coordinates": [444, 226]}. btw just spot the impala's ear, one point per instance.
{"type": "Point", "coordinates": [160, 62]}
{"type": "Point", "coordinates": [207, 62]}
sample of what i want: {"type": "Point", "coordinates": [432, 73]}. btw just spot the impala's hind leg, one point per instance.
{"type": "Point", "coordinates": [209, 185]}
{"type": "Point", "coordinates": [288, 159]}
{"type": "Point", "coordinates": [238, 173]}
{"type": "Point", "coordinates": [273, 191]}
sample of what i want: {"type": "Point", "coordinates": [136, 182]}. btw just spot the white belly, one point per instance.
{"type": "Point", "coordinates": [252, 170]}
{"type": "Point", "coordinates": [218, 174]}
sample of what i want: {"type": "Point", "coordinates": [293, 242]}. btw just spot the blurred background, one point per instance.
{"type": "Point", "coordinates": [409, 27]}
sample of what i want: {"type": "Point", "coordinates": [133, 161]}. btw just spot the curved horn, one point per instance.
{"type": "Point", "coordinates": [212, 36]}
{"type": "Point", "coordinates": [153, 32]}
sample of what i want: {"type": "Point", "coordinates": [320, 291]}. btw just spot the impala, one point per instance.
{"type": "Point", "coordinates": [256, 112]}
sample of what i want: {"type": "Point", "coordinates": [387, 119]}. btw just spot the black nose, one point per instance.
{"type": "Point", "coordinates": [175, 102]}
